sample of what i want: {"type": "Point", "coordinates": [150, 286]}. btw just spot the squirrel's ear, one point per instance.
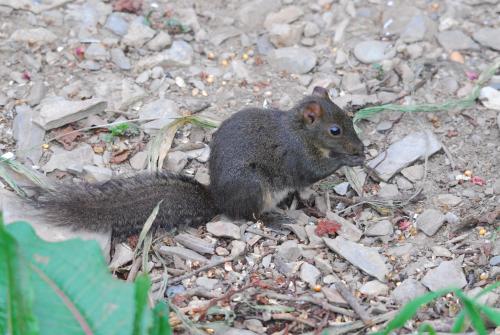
{"type": "Point", "coordinates": [312, 111]}
{"type": "Point", "coordinates": [320, 92]}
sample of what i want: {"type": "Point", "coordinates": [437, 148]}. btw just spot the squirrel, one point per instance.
{"type": "Point", "coordinates": [258, 157]}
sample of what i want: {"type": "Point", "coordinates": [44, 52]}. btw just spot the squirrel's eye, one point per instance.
{"type": "Point", "coordinates": [335, 130]}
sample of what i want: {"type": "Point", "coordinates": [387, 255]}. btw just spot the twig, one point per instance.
{"type": "Point", "coordinates": [352, 301]}
{"type": "Point", "coordinates": [223, 297]}
{"type": "Point", "coordinates": [102, 126]}
{"type": "Point", "coordinates": [323, 304]}
{"type": "Point", "coordinates": [322, 324]}
{"type": "Point", "coordinates": [450, 157]}
{"type": "Point", "coordinates": [134, 269]}
{"type": "Point", "coordinates": [261, 233]}
{"type": "Point", "coordinates": [201, 269]}
{"type": "Point", "coordinates": [348, 328]}
{"type": "Point", "coordinates": [458, 238]}
{"type": "Point", "coordinates": [290, 317]}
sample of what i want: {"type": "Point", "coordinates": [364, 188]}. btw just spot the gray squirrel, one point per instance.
{"type": "Point", "coordinates": [258, 156]}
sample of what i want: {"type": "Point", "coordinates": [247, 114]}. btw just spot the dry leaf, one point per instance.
{"type": "Point", "coordinates": [129, 6]}
{"type": "Point", "coordinates": [119, 156]}
{"type": "Point", "coordinates": [69, 141]}
{"type": "Point", "coordinates": [327, 227]}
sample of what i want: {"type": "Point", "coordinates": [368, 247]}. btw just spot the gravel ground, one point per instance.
{"type": "Point", "coordinates": [424, 221]}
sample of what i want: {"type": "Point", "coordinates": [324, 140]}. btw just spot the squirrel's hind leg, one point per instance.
{"type": "Point", "coordinates": [245, 199]}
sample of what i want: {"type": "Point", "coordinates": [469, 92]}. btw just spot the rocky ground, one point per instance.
{"type": "Point", "coordinates": [422, 218]}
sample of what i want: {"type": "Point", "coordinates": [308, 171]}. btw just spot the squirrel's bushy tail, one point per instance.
{"type": "Point", "coordinates": [124, 204]}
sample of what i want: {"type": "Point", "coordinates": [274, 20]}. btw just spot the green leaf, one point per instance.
{"type": "Point", "coordinates": [73, 290]}
{"type": "Point", "coordinates": [426, 328]}
{"type": "Point", "coordinates": [472, 313]}
{"type": "Point", "coordinates": [492, 313]}
{"type": "Point", "coordinates": [161, 325]}
{"type": "Point", "coordinates": [142, 317]}
{"type": "Point", "coordinates": [411, 308]}
{"type": "Point", "coordinates": [16, 290]}
{"type": "Point", "coordinates": [459, 324]}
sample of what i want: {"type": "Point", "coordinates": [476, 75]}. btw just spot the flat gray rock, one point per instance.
{"type": "Point", "coordinates": [55, 112]}
{"type": "Point", "coordinates": [373, 51]}
{"type": "Point", "coordinates": [365, 258]}
{"type": "Point", "coordinates": [309, 273]}
{"type": "Point", "coordinates": [415, 29]}
{"type": "Point", "coordinates": [456, 40]}
{"type": "Point", "coordinates": [117, 24]}
{"type": "Point", "coordinates": [97, 174]}
{"type": "Point", "coordinates": [195, 243]}
{"type": "Point", "coordinates": [138, 33]}
{"type": "Point", "coordinates": [374, 288]}
{"type": "Point", "coordinates": [489, 37]}
{"type": "Point", "coordinates": [120, 60]}
{"type": "Point", "coordinates": [380, 228]}
{"type": "Point", "coordinates": [34, 36]}
{"type": "Point", "coordinates": [289, 251]}
{"type": "Point", "coordinates": [413, 173]}
{"type": "Point", "coordinates": [160, 41]}
{"type": "Point", "coordinates": [449, 200]}
{"type": "Point", "coordinates": [139, 160]}
{"type": "Point", "coordinates": [253, 13]}
{"type": "Point", "coordinates": [287, 14]}
{"type": "Point", "coordinates": [182, 253]}
{"type": "Point", "coordinates": [430, 221]}
{"type": "Point", "coordinates": [296, 60]}
{"type": "Point", "coordinates": [164, 110]}
{"type": "Point", "coordinates": [37, 93]}
{"type": "Point", "coordinates": [176, 161]}
{"type": "Point", "coordinates": [179, 54]}
{"type": "Point", "coordinates": [402, 153]}
{"type": "Point", "coordinates": [33, 6]}
{"type": "Point", "coordinates": [408, 290]}
{"type": "Point", "coordinates": [206, 283]}
{"type": "Point", "coordinates": [224, 228]}
{"type": "Point", "coordinates": [29, 136]}
{"type": "Point", "coordinates": [389, 191]}
{"type": "Point", "coordinates": [73, 160]}
{"type": "Point", "coordinates": [447, 274]}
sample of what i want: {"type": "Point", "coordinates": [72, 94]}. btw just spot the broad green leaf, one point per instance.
{"type": "Point", "coordinates": [16, 290]}
{"type": "Point", "coordinates": [73, 290]}
{"type": "Point", "coordinates": [142, 318]}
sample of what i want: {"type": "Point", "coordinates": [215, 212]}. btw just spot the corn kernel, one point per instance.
{"type": "Point", "coordinates": [245, 56]}
{"type": "Point", "coordinates": [45, 146]}
{"type": "Point", "coordinates": [468, 173]}
{"type": "Point", "coordinates": [317, 288]}
{"type": "Point", "coordinates": [483, 276]}
{"type": "Point", "coordinates": [482, 231]}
